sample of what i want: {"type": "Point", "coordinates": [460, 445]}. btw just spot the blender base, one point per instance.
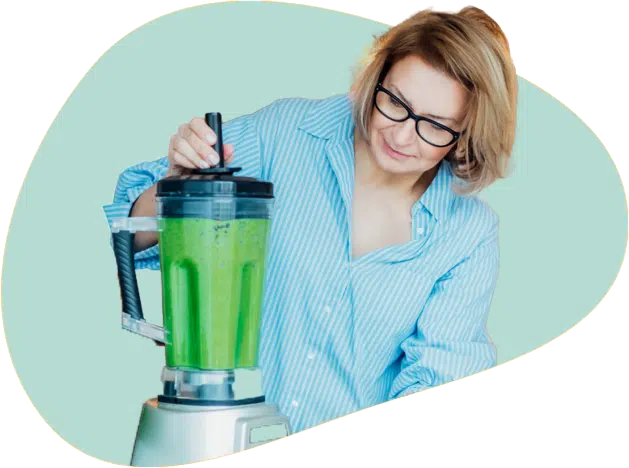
{"type": "Point", "coordinates": [173, 434]}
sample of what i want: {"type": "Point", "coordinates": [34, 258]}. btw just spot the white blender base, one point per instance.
{"type": "Point", "coordinates": [174, 434]}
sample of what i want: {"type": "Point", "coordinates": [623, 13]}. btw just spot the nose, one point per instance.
{"type": "Point", "coordinates": [404, 133]}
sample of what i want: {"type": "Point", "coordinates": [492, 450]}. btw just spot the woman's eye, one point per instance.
{"type": "Point", "coordinates": [394, 102]}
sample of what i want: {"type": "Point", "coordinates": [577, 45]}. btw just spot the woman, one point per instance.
{"type": "Point", "coordinates": [382, 262]}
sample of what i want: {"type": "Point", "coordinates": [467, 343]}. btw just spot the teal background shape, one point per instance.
{"type": "Point", "coordinates": [563, 210]}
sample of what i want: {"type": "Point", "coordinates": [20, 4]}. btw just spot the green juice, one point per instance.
{"type": "Point", "coordinates": [212, 283]}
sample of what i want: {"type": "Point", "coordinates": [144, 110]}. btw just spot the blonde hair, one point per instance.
{"type": "Point", "coordinates": [469, 47]}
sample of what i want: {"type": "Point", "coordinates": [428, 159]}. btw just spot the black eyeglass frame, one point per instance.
{"type": "Point", "coordinates": [411, 115]}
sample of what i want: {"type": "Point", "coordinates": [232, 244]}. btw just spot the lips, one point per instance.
{"type": "Point", "coordinates": [395, 154]}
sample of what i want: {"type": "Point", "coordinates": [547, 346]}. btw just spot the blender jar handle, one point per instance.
{"type": "Point", "coordinates": [123, 234]}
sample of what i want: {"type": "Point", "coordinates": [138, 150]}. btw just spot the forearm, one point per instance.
{"type": "Point", "coordinates": [144, 206]}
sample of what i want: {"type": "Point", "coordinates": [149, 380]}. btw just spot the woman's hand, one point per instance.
{"type": "Point", "coordinates": [191, 148]}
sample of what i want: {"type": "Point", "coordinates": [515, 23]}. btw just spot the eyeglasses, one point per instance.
{"type": "Point", "coordinates": [432, 132]}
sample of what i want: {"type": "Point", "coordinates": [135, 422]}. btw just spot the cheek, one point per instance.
{"type": "Point", "coordinates": [432, 153]}
{"type": "Point", "coordinates": [377, 130]}
{"type": "Point", "coordinates": [378, 125]}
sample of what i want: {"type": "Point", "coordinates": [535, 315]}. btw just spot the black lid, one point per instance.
{"type": "Point", "coordinates": [214, 181]}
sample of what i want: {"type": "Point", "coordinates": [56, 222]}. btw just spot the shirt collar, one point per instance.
{"type": "Point", "coordinates": [439, 195]}
{"type": "Point", "coordinates": [331, 119]}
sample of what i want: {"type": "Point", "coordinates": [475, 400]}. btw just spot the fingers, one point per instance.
{"type": "Point", "coordinates": [203, 137]}
{"type": "Point", "coordinates": [191, 147]}
{"type": "Point", "coordinates": [183, 148]}
{"type": "Point", "coordinates": [202, 130]}
{"type": "Point", "coordinates": [201, 147]}
{"type": "Point", "coordinates": [179, 160]}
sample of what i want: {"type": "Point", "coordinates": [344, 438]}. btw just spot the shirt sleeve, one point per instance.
{"type": "Point", "coordinates": [243, 132]}
{"type": "Point", "coordinates": [451, 340]}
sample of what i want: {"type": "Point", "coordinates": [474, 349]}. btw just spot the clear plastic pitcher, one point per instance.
{"type": "Point", "coordinates": [213, 230]}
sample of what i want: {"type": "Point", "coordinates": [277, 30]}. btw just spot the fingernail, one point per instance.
{"type": "Point", "coordinates": [211, 139]}
{"type": "Point", "coordinates": [214, 159]}
{"type": "Point", "coordinates": [204, 164]}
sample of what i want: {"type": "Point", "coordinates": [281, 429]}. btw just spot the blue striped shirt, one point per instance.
{"type": "Point", "coordinates": [340, 334]}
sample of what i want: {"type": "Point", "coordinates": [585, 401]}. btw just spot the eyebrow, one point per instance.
{"type": "Point", "coordinates": [408, 103]}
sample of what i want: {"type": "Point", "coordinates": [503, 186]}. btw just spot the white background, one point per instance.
{"type": "Point", "coordinates": [532, 23]}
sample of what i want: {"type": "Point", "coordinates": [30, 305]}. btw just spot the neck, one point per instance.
{"type": "Point", "coordinates": [368, 173]}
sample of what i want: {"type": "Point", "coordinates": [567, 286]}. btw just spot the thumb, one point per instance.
{"type": "Point", "coordinates": [228, 152]}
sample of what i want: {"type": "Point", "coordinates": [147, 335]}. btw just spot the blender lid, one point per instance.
{"type": "Point", "coordinates": [218, 181]}
{"type": "Point", "coordinates": [219, 184]}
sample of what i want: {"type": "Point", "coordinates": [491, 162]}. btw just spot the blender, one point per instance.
{"type": "Point", "coordinates": [213, 231]}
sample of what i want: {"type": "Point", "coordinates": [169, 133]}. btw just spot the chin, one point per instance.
{"type": "Point", "coordinates": [387, 164]}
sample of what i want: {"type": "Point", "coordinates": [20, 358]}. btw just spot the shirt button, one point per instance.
{"type": "Point", "coordinates": [420, 231]}
{"type": "Point", "coordinates": [327, 309]}
{"type": "Point", "coordinates": [295, 403]}
{"type": "Point", "coordinates": [311, 355]}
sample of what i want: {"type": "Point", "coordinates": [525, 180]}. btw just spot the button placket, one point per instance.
{"type": "Point", "coordinates": [422, 224]}
{"type": "Point", "coordinates": [417, 226]}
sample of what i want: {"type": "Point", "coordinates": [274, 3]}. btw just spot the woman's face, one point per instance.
{"type": "Point", "coordinates": [395, 146]}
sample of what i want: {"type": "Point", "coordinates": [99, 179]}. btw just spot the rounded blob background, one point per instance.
{"type": "Point", "coordinates": [563, 211]}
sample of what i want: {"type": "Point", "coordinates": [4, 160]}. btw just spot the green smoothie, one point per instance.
{"type": "Point", "coordinates": [213, 281]}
